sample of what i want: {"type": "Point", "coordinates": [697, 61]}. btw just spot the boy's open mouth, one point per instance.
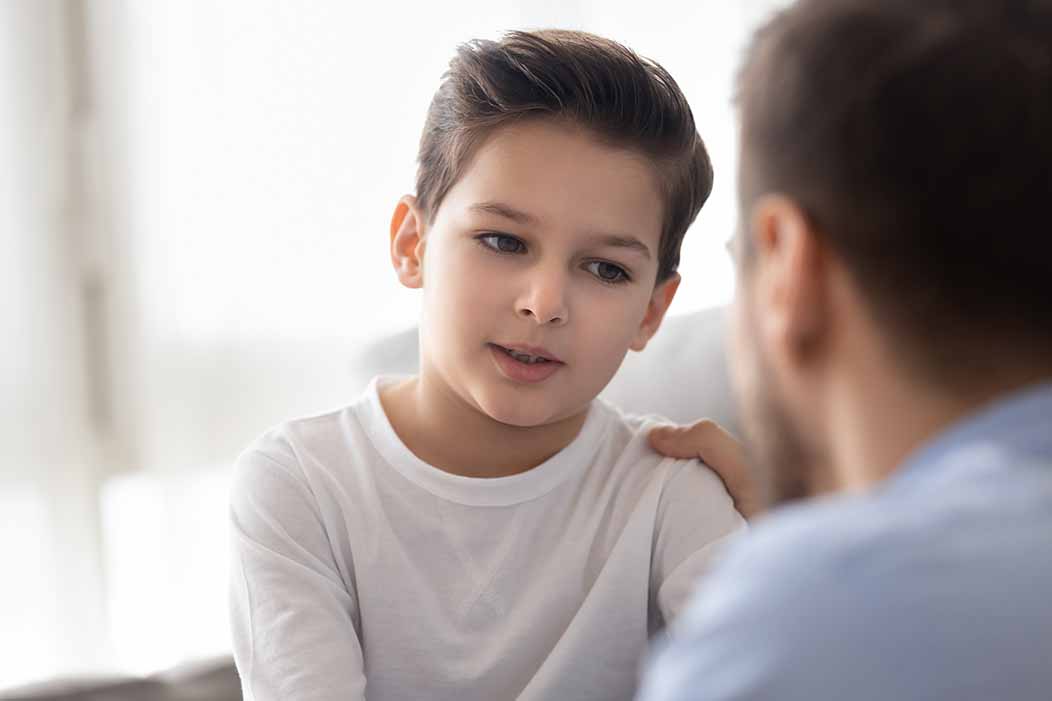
{"type": "Point", "coordinates": [525, 364]}
{"type": "Point", "coordinates": [534, 358]}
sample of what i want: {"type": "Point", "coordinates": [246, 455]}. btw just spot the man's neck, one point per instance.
{"type": "Point", "coordinates": [876, 423]}
{"type": "Point", "coordinates": [445, 431]}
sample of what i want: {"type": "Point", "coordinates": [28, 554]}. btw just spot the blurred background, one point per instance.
{"type": "Point", "coordinates": [194, 201]}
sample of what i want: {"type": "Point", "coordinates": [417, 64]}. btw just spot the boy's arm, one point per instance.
{"type": "Point", "coordinates": [292, 617]}
{"type": "Point", "coordinates": [695, 518]}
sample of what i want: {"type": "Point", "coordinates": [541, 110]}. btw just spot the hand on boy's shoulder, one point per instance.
{"type": "Point", "coordinates": [709, 442]}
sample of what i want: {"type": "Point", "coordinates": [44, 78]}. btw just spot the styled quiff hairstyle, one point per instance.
{"type": "Point", "coordinates": [626, 101]}
{"type": "Point", "coordinates": [917, 137]}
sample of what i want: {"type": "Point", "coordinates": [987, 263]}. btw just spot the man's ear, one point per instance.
{"type": "Point", "coordinates": [789, 269]}
{"type": "Point", "coordinates": [407, 242]}
{"type": "Point", "coordinates": [659, 302]}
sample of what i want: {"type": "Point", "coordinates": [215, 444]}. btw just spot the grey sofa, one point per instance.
{"type": "Point", "coordinates": [209, 680]}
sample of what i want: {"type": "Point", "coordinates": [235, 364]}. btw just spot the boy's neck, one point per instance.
{"type": "Point", "coordinates": [434, 423]}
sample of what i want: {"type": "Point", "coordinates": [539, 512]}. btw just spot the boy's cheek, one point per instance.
{"type": "Point", "coordinates": [609, 333]}
{"type": "Point", "coordinates": [458, 277]}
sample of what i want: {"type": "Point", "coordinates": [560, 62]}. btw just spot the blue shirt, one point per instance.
{"type": "Point", "coordinates": [935, 585]}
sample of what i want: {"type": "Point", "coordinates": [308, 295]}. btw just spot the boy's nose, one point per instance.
{"type": "Point", "coordinates": [545, 302]}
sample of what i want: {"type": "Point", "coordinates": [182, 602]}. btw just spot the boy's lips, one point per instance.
{"type": "Point", "coordinates": [524, 349]}
{"type": "Point", "coordinates": [519, 365]}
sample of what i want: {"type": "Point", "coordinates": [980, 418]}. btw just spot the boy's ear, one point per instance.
{"type": "Point", "coordinates": [656, 308]}
{"type": "Point", "coordinates": [407, 242]}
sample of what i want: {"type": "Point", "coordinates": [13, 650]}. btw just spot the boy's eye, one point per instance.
{"type": "Point", "coordinates": [502, 243]}
{"type": "Point", "coordinates": [607, 272]}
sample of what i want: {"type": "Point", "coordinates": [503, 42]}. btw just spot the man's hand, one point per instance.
{"type": "Point", "coordinates": [718, 449]}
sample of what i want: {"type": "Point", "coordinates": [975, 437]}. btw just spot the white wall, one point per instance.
{"type": "Point", "coordinates": [51, 590]}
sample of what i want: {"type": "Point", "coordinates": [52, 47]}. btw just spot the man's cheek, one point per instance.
{"type": "Point", "coordinates": [736, 345]}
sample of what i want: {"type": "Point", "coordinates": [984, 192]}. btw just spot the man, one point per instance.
{"type": "Point", "coordinates": [893, 362]}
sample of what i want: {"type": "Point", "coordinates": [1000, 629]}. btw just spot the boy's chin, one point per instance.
{"type": "Point", "coordinates": [529, 414]}
{"type": "Point", "coordinates": [519, 418]}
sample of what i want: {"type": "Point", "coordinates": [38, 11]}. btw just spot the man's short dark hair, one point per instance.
{"type": "Point", "coordinates": [623, 99]}
{"type": "Point", "coordinates": [917, 137]}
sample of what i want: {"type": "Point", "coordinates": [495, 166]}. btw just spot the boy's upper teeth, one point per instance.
{"type": "Point", "coordinates": [525, 357]}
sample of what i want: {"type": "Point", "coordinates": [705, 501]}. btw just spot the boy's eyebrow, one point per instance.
{"type": "Point", "coordinates": [629, 242]}
{"type": "Point", "coordinates": [516, 215]}
{"type": "Point", "coordinates": [503, 210]}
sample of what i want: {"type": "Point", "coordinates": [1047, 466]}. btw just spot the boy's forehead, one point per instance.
{"type": "Point", "coordinates": [547, 172]}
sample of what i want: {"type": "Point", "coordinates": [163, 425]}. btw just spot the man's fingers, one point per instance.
{"type": "Point", "coordinates": [703, 439]}
{"type": "Point", "coordinates": [717, 448]}
{"type": "Point", "coordinates": [673, 441]}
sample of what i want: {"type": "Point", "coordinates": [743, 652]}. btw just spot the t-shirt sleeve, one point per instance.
{"type": "Point", "coordinates": [293, 617]}
{"type": "Point", "coordinates": [695, 519]}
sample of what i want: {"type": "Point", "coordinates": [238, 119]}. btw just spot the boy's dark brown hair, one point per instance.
{"type": "Point", "coordinates": [625, 100]}
{"type": "Point", "coordinates": [917, 137]}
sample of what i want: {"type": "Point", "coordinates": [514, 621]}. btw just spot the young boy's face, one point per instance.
{"type": "Point", "coordinates": [538, 271]}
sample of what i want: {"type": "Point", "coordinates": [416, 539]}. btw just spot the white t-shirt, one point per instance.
{"type": "Point", "coordinates": [361, 571]}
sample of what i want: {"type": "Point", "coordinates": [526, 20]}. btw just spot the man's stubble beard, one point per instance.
{"type": "Point", "coordinates": [775, 446]}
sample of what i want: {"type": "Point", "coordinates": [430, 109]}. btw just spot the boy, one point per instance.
{"type": "Point", "coordinates": [488, 529]}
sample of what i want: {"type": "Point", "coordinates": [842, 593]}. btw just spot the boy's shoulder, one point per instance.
{"type": "Point", "coordinates": [286, 442]}
{"type": "Point", "coordinates": [629, 455]}
{"type": "Point", "coordinates": [627, 430]}
{"type": "Point", "coordinates": [317, 439]}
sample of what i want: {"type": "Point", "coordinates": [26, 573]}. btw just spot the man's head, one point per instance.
{"type": "Point", "coordinates": [896, 164]}
{"type": "Point", "coordinates": [558, 174]}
